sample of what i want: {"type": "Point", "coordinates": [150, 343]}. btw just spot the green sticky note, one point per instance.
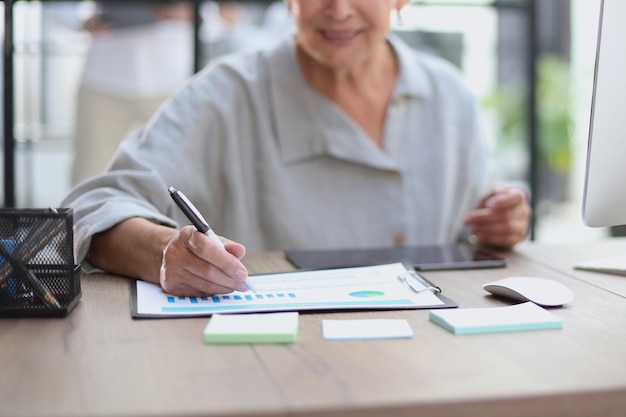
{"type": "Point", "coordinates": [252, 328]}
{"type": "Point", "coordinates": [525, 316]}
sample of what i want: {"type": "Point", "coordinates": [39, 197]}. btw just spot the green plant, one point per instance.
{"type": "Point", "coordinates": [554, 119]}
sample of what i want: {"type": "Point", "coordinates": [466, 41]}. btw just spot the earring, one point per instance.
{"type": "Point", "coordinates": [399, 17]}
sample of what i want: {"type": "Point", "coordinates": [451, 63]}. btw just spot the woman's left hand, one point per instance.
{"type": "Point", "coordinates": [502, 218]}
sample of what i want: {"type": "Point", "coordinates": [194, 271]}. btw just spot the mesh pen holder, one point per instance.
{"type": "Point", "coordinates": [38, 276]}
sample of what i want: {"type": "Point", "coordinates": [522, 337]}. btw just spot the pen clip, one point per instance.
{"type": "Point", "coordinates": [410, 278]}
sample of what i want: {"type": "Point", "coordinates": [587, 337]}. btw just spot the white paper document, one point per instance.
{"type": "Point", "coordinates": [366, 329]}
{"type": "Point", "coordinates": [370, 287]}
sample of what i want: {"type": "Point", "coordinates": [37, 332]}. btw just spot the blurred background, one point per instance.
{"type": "Point", "coordinates": [530, 63]}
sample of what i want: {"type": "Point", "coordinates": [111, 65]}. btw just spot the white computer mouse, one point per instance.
{"type": "Point", "coordinates": [541, 291]}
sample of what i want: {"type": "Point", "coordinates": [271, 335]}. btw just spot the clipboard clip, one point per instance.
{"type": "Point", "coordinates": [410, 278]}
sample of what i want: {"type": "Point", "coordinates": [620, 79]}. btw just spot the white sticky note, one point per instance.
{"type": "Point", "coordinates": [252, 328]}
{"type": "Point", "coordinates": [524, 316]}
{"type": "Point", "coordinates": [366, 329]}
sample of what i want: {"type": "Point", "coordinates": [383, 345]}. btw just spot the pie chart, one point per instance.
{"type": "Point", "coordinates": [367, 294]}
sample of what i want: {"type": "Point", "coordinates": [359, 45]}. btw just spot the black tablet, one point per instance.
{"type": "Point", "coordinates": [424, 258]}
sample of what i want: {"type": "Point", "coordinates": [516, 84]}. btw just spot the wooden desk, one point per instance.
{"type": "Point", "coordinates": [100, 362]}
{"type": "Point", "coordinates": [564, 257]}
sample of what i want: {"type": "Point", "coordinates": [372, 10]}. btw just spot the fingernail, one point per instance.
{"type": "Point", "coordinates": [241, 274]}
{"type": "Point", "coordinates": [192, 241]}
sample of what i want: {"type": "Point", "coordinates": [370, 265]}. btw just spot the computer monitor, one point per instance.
{"type": "Point", "coordinates": [604, 195]}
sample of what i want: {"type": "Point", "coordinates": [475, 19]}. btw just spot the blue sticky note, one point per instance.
{"type": "Point", "coordinates": [524, 316]}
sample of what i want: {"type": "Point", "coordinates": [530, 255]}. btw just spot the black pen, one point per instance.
{"type": "Point", "coordinates": [27, 277]}
{"type": "Point", "coordinates": [35, 240]}
{"type": "Point", "coordinates": [198, 221]}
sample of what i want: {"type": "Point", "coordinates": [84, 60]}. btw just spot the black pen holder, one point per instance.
{"type": "Point", "coordinates": [38, 276]}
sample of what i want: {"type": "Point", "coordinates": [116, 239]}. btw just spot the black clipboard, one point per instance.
{"type": "Point", "coordinates": [199, 308]}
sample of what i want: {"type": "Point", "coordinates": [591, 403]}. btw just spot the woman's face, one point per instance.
{"type": "Point", "coordinates": [342, 33]}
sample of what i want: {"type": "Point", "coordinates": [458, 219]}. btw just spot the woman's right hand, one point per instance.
{"type": "Point", "coordinates": [194, 265]}
{"type": "Point", "coordinates": [184, 262]}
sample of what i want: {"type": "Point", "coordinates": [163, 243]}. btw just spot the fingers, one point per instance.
{"type": "Point", "coordinates": [95, 24]}
{"type": "Point", "coordinates": [503, 219]}
{"type": "Point", "coordinates": [502, 235]}
{"type": "Point", "coordinates": [504, 199]}
{"type": "Point", "coordinates": [195, 265]}
{"type": "Point", "coordinates": [236, 249]}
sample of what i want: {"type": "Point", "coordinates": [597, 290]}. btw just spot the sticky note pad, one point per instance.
{"type": "Point", "coordinates": [366, 329]}
{"type": "Point", "coordinates": [252, 328]}
{"type": "Point", "coordinates": [524, 316]}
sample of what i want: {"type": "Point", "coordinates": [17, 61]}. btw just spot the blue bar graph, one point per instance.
{"type": "Point", "coordinates": [227, 302]}
{"type": "Point", "coordinates": [229, 298]}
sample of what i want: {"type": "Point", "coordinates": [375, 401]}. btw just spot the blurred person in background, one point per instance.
{"type": "Point", "coordinates": [139, 54]}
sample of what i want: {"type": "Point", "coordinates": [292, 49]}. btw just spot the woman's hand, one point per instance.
{"type": "Point", "coordinates": [195, 265]}
{"type": "Point", "coordinates": [502, 218]}
{"type": "Point", "coordinates": [95, 25]}
{"type": "Point", "coordinates": [184, 262]}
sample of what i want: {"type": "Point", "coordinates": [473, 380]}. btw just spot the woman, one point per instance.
{"type": "Point", "coordinates": [338, 137]}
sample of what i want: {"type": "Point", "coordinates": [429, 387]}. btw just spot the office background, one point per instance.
{"type": "Point", "coordinates": [491, 42]}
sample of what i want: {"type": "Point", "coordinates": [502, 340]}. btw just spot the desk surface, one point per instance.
{"type": "Point", "coordinates": [100, 362]}
{"type": "Point", "coordinates": [563, 258]}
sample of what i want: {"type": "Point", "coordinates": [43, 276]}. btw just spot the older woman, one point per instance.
{"type": "Point", "coordinates": [339, 136]}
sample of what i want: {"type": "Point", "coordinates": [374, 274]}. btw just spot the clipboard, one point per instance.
{"type": "Point", "coordinates": [393, 286]}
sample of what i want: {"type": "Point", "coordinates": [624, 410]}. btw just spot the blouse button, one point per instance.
{"type": "Point", "coordinates": [399, 239]}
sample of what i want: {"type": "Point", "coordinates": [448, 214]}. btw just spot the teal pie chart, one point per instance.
{"type": "Point", "coordinates": [366, 294]}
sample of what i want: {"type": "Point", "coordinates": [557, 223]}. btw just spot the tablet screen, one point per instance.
{"type": "Point", "coordinates": [424, 258]}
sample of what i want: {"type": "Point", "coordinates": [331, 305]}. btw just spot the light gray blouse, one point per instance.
{"type": "Point", "coordinates": [273, 164]}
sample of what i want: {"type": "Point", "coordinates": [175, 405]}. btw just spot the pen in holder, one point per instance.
{"type": "Point", "coordinates": [38, 276]}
